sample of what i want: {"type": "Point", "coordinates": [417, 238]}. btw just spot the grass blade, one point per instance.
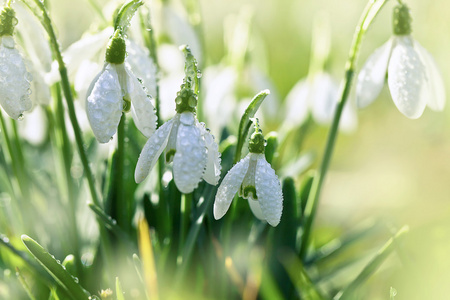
{"type": "Point", "coordinates": [372, 266]}
{"type": "Point", "coordinates": [245, 123]}
{"type": "Point", "coordinates": [63, 278]}
{"type": "Point", "coordinates": [119, 291]}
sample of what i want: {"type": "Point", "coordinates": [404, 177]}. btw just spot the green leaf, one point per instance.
{"type": "Point", "coordinates": [271, 146]}
{"type": "Point", "coordinates": [108, 222]}
{"type": "Point", "coordinates": [245, 123]}
{"type": "Point", "coordinates": [125, 14]}
{"type": "Point", "coordinates": [54, 268]}
{"type": "Point", "coordinates": [119, 291]}
{"type": "Point", "coordinates": [372, 266]}
{"type": "Point", "coordinates": [299, 276]}
{"type": "Point", "coordinates": [305, 189]}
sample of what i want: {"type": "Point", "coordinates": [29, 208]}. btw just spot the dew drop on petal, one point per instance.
{"type": "Point", "coordinates": [21, 117]}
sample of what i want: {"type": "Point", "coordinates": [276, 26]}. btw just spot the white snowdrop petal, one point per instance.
{"type": "Point", "coordinates": [172, 143]}
{"type": "Point", "coordinates": [190, 157]}
{"type": "Point", "coordinates": [142, 65]}
{"type": "Point", "coordinates": [435, 83]}
{"type": "Point", "coordinates": [297, 104]}
{"type": "Point", "coordinates": [14, 80]}
{"type": "Point", "coordinates": [371, 77]}
{"type": "Point", "coordinates": [152, 150]}
{"type": "Point", "coordinates": [229, 187]}
{"type": "Point", "coordinates": [255, 207]}
{"type": "Point", "coordinates": [268, 189]}
{"type": "Point", "coordinates": [213, 167]}
{"type": "Point", "coordinates": [142, 109]}
{"type": "Point", "coordinates": [104, 105]}
{"type": "Point", "coordinates": [406, 78]}
{"type": "Point", "coordinates": [324, 98]}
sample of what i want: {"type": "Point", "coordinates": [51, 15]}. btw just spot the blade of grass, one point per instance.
{"type": "Point", "coordinates": [372, 266]}
{"type": "Point", "coordinates": [119, 291]}
{"type": "Point", "coordinates": [245, 122]}
{"type": "Point", "coordinates": [24, 284]}
{"type": "Point", "coordinates": [62, 277]}
{"type": "Point", "coordinates": [299, 276]}
{"type": "Point", "coordinates": [146, 251]}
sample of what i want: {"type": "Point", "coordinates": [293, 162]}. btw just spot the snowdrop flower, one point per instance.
{"type": "Point", "coordinates": [413, 77]}
{"type": "Point", "coordinates": [115, 90]}
{"type": "Point", "coordinates": [15, 80]}
{"type": "Point", "coordinates": [254, 179]}
{"type": "Point", "coordinates": [187, 142]}
{"type": "Point", "coordinates": [319, 96]}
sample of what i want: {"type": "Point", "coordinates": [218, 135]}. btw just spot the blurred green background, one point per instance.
{"type": "Point", "coordinates": [391, 169]}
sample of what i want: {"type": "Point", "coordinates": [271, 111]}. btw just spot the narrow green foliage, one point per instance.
{"type": "Point", "coordinates": [119, 292]}
{"type": "Point", "coordinates": [271, 146]}
{"type": "Point", "coordinates": [125, 15]}
{"type": "Point", "coordinates": [54, 268]}
{"type": "Point", "coordinates": [305, 189]}
{"type": "Point", "coordinates": [299, 277]}
{"type": "Point", "coordinates": [25, 284]}
{"type": "Point", "coordinates": [372, 266]}
{"type": "Point", "coordinates": [244, 125]}
{"type": "Point", "coordinates": [108, 222]}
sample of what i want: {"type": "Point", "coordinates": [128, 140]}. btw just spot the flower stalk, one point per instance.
{"type": "Point", "coordinates": [370, 12]}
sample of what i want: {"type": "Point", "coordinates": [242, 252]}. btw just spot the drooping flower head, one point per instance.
{"type": "Point", "coordinates": [186, 141]}
{"type": "Point", "coordinates": [413, 77]}
{"type": "Point", "coordinates": [115, 90]}
{"type": "Point", "coordinates": [254, 179]}
{"type": "Point", "coordinates": [14, 78]}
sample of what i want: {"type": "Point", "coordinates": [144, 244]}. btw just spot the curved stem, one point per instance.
{"type": "Point", "coordinates": [69, 100]}
{"type": "Point", "coordinates": [371, 10]}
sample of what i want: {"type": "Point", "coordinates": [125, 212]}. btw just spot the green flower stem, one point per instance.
{"type": "Point", "coordinates": [20, 157]}
{"type": "Point", "coordinates": [150, 43]}
{"type": "Point", "coordinates": [63, 143]}
{"type": "Point", "coordinates": [47, 23]}
{"type": "Point", "coordinates": [119, 195]}
{"type": "Point", "coordinates": [185, 213]}
{"type": "Point", "coordinates": [371, 10]}
{"type": "Point", "coordinates": [12, 154]}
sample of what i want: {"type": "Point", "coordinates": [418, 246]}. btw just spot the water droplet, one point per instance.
{"type": "Point", "coordinates": [199, 74]}
{"type": "Point", "coordinates": [28, 76]}
{"type": "Point", "coordinates": [111, 139]}
{"type": "Point", "coordinates": [14, 21]}
{"type": "Point", "coordinates": [178, 100]}
{"type": "Point", "coordinates": [21, 117]}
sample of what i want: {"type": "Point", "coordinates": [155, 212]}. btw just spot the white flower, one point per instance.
{"type": "Point", "coordinates": [14, 79]}
{"type": "Point", "coordinates": [414, 79]}
{"type": "Point", "coordinates": [113, 86]}
{"type": "Point", "coordinates": [192, 148]}
{"type": "Point", "coordinates": [254, 179]}
{"type": "Point", "coordinates": [318, 95]}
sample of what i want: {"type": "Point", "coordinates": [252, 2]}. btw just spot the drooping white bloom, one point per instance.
{"type": "Point", "coordinates": [190, 145]}
{"type": "Point", "coordinates": [14, 79]}
{"type": "Point", "coordinates": [113, 86]}
{"type": "Point", "coordinates": [414, 79]}
{"type": "Point", "coordinates": [319, 96]}
{"type": "Point", "coordinates": [254, 179]}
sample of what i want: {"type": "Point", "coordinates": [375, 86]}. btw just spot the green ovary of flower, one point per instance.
{"type": "Point", "coordinates": [402, 20]}
{"type": "Point", "coordinates": [7, 21]}
{"type": "Point", "coordinates": [186, 99]}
